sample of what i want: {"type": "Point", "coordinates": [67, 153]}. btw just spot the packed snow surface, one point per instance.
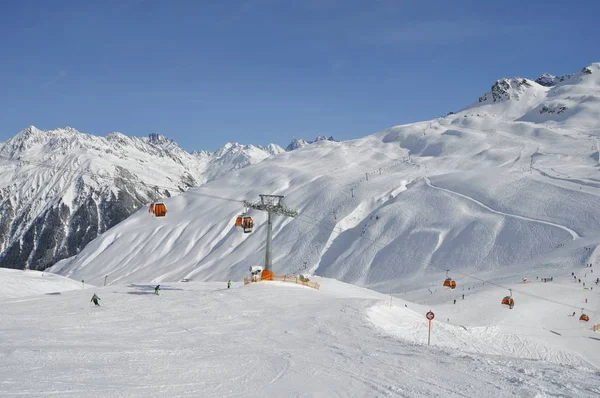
{"type": "Point", "coordinates": [17, 283]}
{"type": "Point", "coordinates": [273, 339]}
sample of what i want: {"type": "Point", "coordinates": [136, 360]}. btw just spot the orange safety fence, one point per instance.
{"type": "Point", "coordinates": [285, 278]}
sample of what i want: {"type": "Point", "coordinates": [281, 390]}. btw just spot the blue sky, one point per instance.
{"type": "Point", "coordinates": [260, 71]}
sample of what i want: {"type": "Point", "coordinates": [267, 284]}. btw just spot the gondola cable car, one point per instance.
{"type": "Point", "coordinates": [449, 282]}
{"type": "Point", "coordinates": [245, 222]}
{"type": "Point", "coordinates": [508, 300]}
{"type": "Point", "coordinates": [158, 209]}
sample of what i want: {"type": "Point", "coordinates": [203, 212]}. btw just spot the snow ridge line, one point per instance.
{"type": "Point", "coordinates": [573, 234]}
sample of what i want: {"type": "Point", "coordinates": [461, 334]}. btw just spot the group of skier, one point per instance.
{"type": "Point", "coordinates": [95, 299]}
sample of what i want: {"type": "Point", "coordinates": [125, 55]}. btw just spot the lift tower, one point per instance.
{"type": "Point", "coordinates": [273, 205]}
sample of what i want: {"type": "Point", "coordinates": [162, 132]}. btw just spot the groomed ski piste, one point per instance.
{"type": "Point", "coordinates": [275, 339]}
{"type": "Point", "coordinates": [17, 284]}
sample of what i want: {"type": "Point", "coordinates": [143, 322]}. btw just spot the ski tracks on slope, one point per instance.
{"type": "Point", "coordinates": [573, 234]}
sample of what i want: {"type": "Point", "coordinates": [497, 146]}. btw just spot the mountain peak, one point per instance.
{"type": "Point", "coordinates": [30, 137]}
{"type": "Point", "coordinates": [506, 89]}
{"type": "Point", "coordinates": [158, 139]}
{"type": "Point", "coordinates": [301, 142]}
{"type": "Point", "coordinates": [30, 132]}
{"type": "Point", "coordinates": [273, 149]}
{"type": "Point", "coordinates": [296, 144]}
{"type": "Point", "coordinates": [549, 80]}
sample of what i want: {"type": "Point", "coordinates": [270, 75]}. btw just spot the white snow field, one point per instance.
{"type": "Point", "coordinates": [17, 283]}
{"type": "Point", "coordinates": [271, 339]}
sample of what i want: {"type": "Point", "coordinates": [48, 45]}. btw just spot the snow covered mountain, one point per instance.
{"type": "Point", "coordinates": [301, 142]}
{"type": "Point", "coordinates": [488, 189]}
{"type": "Point", "coordinates": [59, 189]}
{"type": "Point", "coordinates": [233, 156]}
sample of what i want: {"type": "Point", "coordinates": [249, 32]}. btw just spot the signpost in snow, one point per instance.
{"type": "Point", "coordinates": [430, 315]}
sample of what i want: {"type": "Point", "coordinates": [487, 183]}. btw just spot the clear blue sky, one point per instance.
{"type": "Point", "coordinates": [206, 72]}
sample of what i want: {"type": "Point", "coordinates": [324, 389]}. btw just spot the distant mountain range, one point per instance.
{"type": "Point", "coordinates": [60, 189]}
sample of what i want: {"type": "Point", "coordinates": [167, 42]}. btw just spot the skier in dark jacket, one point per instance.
{"type": "Point", "coordinates": [95, 300]}
{"type": "Point", "coordinates": [156, 289]}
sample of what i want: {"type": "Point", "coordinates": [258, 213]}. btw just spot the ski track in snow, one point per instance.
{"type": "Point", "coordinates": [573, 234]}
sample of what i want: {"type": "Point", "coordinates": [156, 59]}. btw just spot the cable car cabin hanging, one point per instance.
{"type": "Point", "coordinates": [508, 301]}
{"type": "Point", "coordinates": [238, 220]}
{"type": "Point", "coordinates": [584, 318]}
{"type": "Point", "coordinates": [245, 222]}
{"type": "Point", "coordinates": [449, 282]}
{"type": "Point", "coordinates": [158, 209]}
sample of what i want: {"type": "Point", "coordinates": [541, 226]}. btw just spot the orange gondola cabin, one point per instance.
{"type": "Point", "coordinates": [244, 222]}
{"type": "Point", "coordinates": [449, 282]}
{"type": "Point", "coordinates": [507, 300]}
{"type": "Point", "coordinates": [584, 318]}
{"type": "Point", "coordinates": [158, 209]}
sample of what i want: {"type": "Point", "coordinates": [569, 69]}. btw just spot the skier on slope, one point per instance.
{"type": "Point", "coordinates": [95, 300]}
{"type": "Point", "coordinates": [156, 289]}
{"type": "Point", "coordinates": [228, 284]}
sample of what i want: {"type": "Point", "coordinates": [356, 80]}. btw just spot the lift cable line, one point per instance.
{"type": "Point", "coordinates": [272, 205]}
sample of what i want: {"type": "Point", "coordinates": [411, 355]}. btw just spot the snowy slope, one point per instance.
{"type": "Point", "coordinates": [572, 102]}
{"type": "Point", "coordinates": [233, 156]}
{"type": "Point", "coordinates": [59, 189]}
{"type": "Point", "coordinates": [540, 326]}
{"type": "Point", "coordinates": [473, 192]}
{"type": "Point", "coordinates": [17, 283]}
{"type": "Point", "coordinates": [264, 340]}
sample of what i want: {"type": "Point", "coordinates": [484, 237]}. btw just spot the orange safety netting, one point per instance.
{"type": "Point", "coordinates": [299, 280]}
